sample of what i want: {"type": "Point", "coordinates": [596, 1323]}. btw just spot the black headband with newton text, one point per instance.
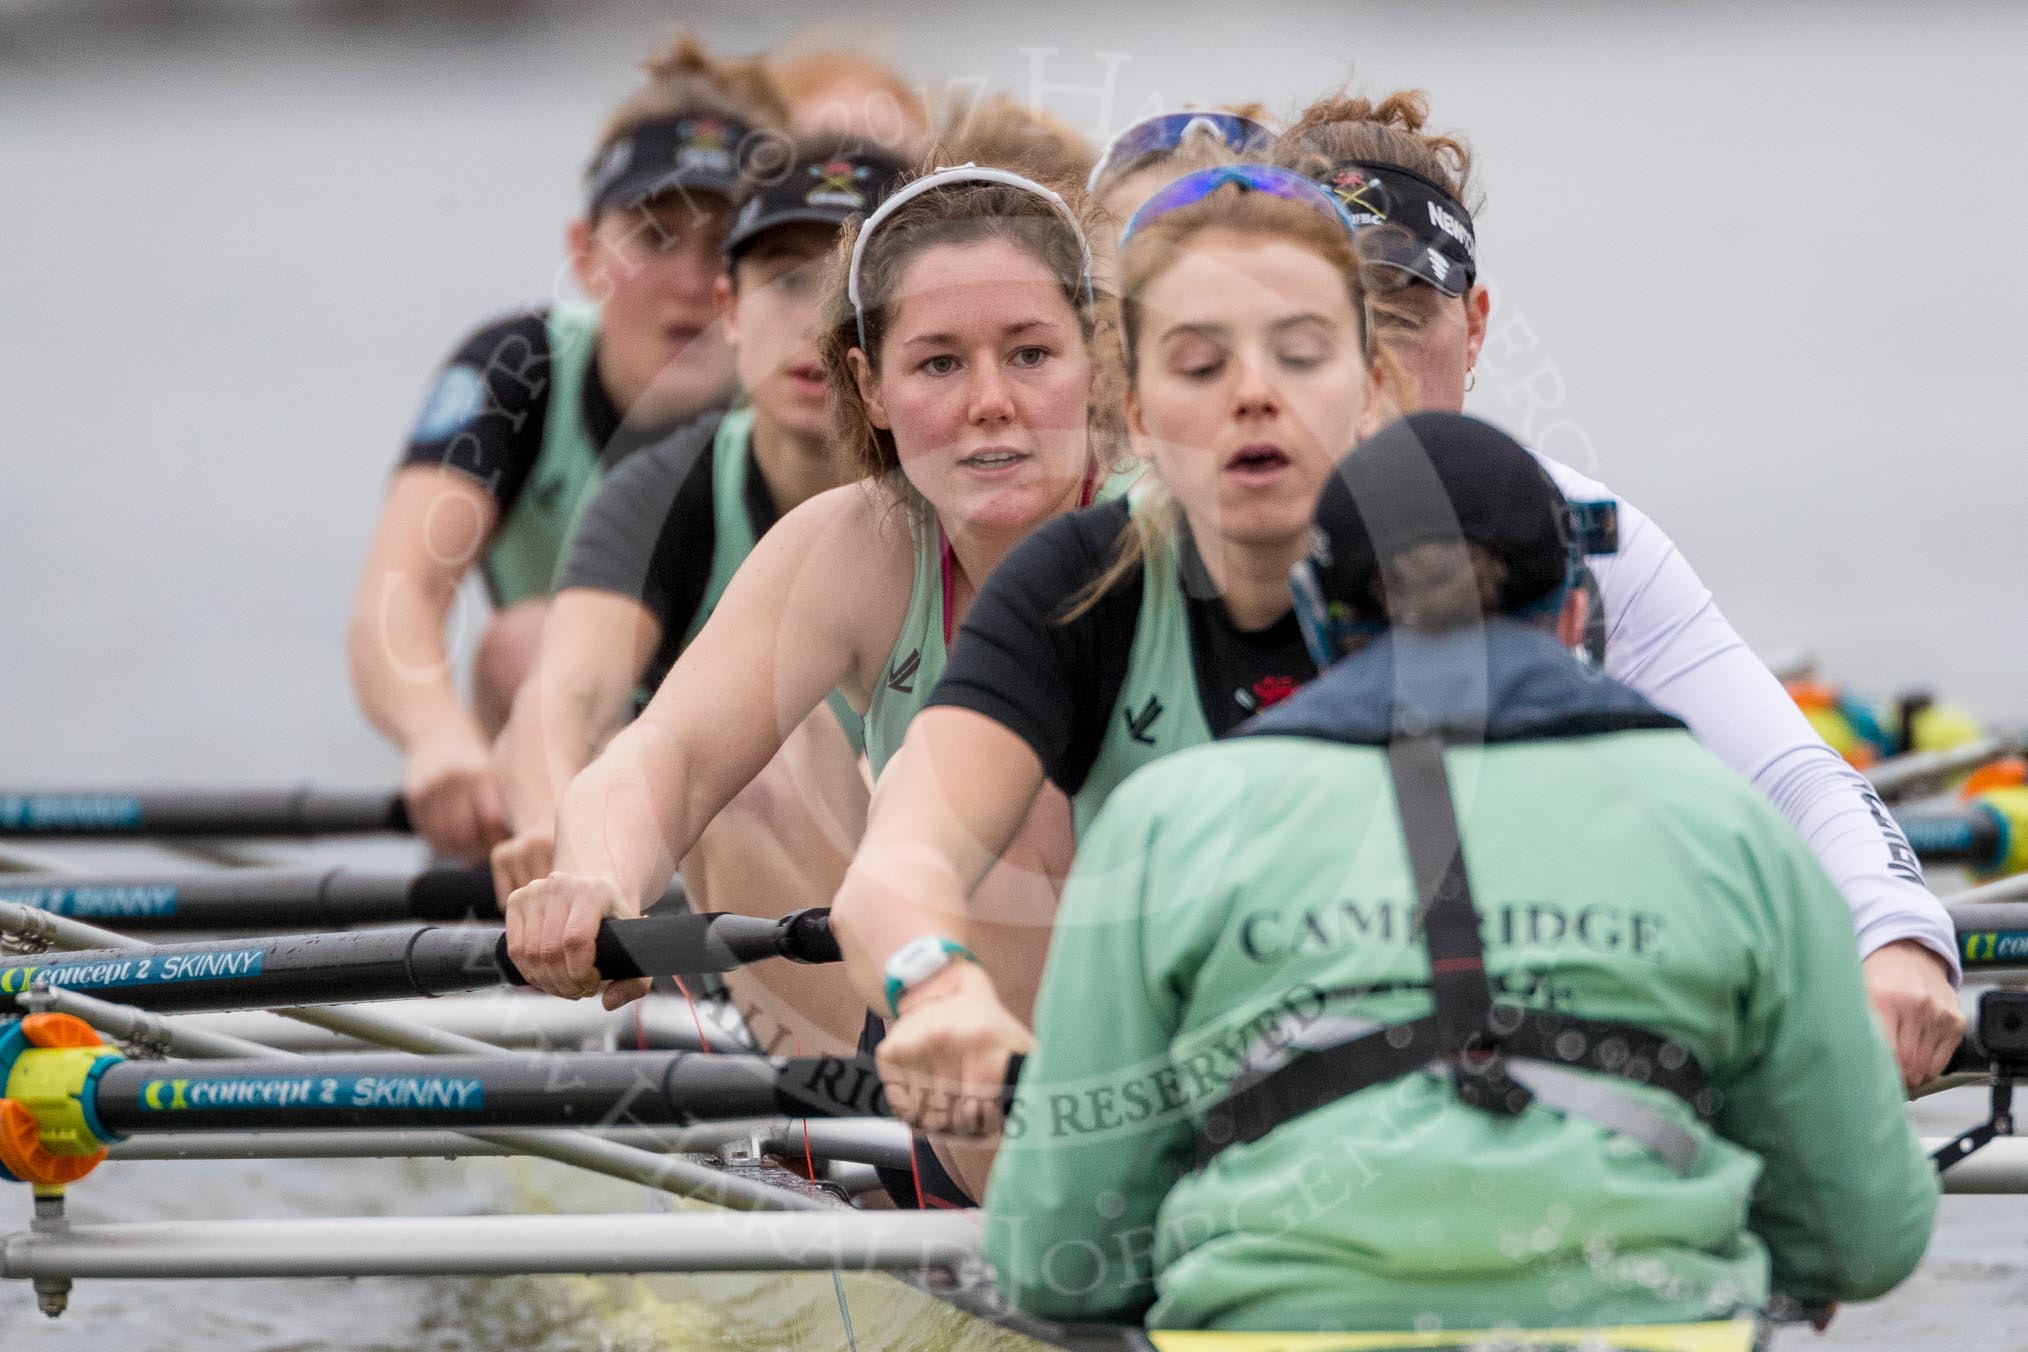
{"type": "Point", "coordinates": [1432, 239]}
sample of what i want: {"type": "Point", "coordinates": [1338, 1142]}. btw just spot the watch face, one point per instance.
{"type": "Point", "coordinates": [917, 959]}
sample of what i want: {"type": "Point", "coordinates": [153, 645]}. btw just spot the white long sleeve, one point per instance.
{"type": "Point", "coordinates": [1666, 638]}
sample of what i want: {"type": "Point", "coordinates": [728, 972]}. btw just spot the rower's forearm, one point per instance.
{"type": "Point", "coordinates": [401, 668]}
{"type": "Point", "coordinates": [1863, 849]}
{"type": "Point", "coordinates": [550, 739]}
{"type": "Point", "coordinates": [628, 817]}
{"type": "Point", "coordinates": [891, 896]}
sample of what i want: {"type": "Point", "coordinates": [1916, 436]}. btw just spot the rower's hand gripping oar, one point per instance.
{"type": "Point", "coordinates": [364, 965]}
{"type": "Point", "coordinates": [677, 945]}
{"type": "Point", "coordinates": [1999, 1048]}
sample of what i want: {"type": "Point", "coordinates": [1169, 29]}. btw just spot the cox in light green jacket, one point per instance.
{"type": "Point", "coordinates": [1621, 875]}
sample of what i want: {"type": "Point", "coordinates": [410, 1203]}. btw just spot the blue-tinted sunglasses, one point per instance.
{"type": "Point", "coordinates": [1265, 178]}
{"type": "Point", "coordinates": [1165, 131]}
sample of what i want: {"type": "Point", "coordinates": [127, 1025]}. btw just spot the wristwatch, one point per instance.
{"type": "Point", "coordinates": [917, 961]}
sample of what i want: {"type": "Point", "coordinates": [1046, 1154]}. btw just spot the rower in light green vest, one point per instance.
{"type": "Point", "coordinates": [526, 414]}
{"type": "Point", "coordinates": [920, 651]}
{"type": "Point", "coordinates": [527, 544]}
{"type": "Point", "coordinates": [1162, 668]}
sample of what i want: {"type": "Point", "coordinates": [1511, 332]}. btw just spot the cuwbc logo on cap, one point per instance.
{"type": "Point", "coordinates": [705, 144]}
{"type": "Point", "coordinates": [1352, 186]}
{"type": "Point", "coordinates": [837, 185]}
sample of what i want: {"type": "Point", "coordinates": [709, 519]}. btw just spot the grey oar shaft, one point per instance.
{"type": "Point", "coordinates": [128, 1024]}
{"type": "Point", "coordinates": [476, 1246]}
{"type": "Point", "coordinates": [1900, 776]}
{"type": "Point", "coordinates": [1999, 1166]}
{"type": "Point", "coordinates": [588, 1152]}
{"type": "Point", "coordinates": [324, 1145]}
{"type": "Point", "coordinates": [2006, 889]}
{"type": "Point", "coordinates": [518, 1018]}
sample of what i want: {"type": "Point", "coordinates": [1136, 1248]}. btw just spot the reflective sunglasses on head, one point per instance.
{"type": "Point", "coordinates": [1166, 131]}
{"type": "Point", "coordinates": [962, 173]}
{"type": "Point", "coordinates": [1264, 178]}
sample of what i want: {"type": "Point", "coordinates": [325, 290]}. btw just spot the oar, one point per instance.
{"type": "Point", "coordinates": [1915, 772]}
{"type": "Point", "coordinates": [141, 813]}
{"type": "Point", "coordinates": [537, 1090]}
{"type": "Point", "coordinates": [322, 969]}
{"type": "Point", "coordinates": [1988, 833]}
{"type": "Point", "coordinates": [1967, 837]}
{"type": "Point", "coordinates": [266, 898]}
{"type": "Point", "coordinates": [571, 1147]}
{"type": "Point", "coordinates": [83, 1095]}
{"type": "Point", "coordinates": [1991, 933]}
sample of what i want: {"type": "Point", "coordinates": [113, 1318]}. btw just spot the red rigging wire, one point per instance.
{"type": "Point", "coordinates": [703, 1043]}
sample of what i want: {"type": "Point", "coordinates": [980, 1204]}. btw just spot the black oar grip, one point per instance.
{"type": "Point", "coordinates": [1968, 1059]}
{"type": "Point", "coordinates": [685, 943]}
{"type": "Point", "coordinates": [617, 950]}
{"type": "Point", "coordinates": [452, 894]}
{"type": "Point", "coordinates": [806, 936]}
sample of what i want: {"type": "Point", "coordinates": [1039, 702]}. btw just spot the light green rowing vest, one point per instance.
{"type": "Point", "coordinates": [732, 535]}
{"type": "Point", "coordinates": [733, 538]}
{"type": "Point", "coordinates": [528, 545]}
{"type": "Point", "coordinates": [1159, 710]}
{"type": "Point", "coordinates": [916, 662]}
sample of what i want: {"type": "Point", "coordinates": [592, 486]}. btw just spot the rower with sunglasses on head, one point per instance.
{"type": "Point", "coordinates": [957, 344]}
{"type": "Point", "coordinates": [527, 413]}
{"type": "Point", "coordinates": [1656, 622]}
{"type": "Point", "coordinates": [1464, 990]}
{"type": "Point", "coordinates": [1157, 150]}
{"type": "Point", "coordinates": [1121, 634]}
{"type": "Point", "coordinates": [1058, 678]}
{"type": "Point", "coordinates": [655, 548]}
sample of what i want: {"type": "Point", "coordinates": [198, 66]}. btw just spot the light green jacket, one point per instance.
{"type": "Point", "coordinates": [1625, 876]}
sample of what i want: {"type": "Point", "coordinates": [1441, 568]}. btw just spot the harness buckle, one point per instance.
{"type": "Point", "coordinates": [1480, 1080]}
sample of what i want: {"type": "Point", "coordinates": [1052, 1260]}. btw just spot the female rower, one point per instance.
{"type": "Point", "coordinates": [1121, 634]}
{"type": "Point", "coordinates": [1030, 697]}
{"type": "Point", "coordinates": [1661, 631]}
{"type": "Point", "coordinates": [662, 536]}
{"type": "Point", "coordinates": [530, 408]}
{"type": "Point", "coordinates": [1158, 150]}
{"type": "Point", "coordinates": [958, 344]}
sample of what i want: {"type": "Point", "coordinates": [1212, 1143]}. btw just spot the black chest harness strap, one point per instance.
{"type": "Point", "coordinates": [1500, 1056]}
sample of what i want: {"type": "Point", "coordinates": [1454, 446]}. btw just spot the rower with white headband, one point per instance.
{"type": "Point", "coordinates": [958, 349]}
{"type": "Point", "coordinates": [1119, 635]}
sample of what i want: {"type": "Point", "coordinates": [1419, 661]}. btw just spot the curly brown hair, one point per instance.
{"type": "Point", "coordinates": [1340, 127]}
{"type": "Point", "coordinates": [685, 78]}
{"type": "Point", "coordinates": [1010, 135]}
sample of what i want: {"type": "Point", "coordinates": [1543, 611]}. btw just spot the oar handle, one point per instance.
{"type": "Point", "coordinates": [1973, 836]}
{"type": "Point", "coordinates": [666, 945]}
